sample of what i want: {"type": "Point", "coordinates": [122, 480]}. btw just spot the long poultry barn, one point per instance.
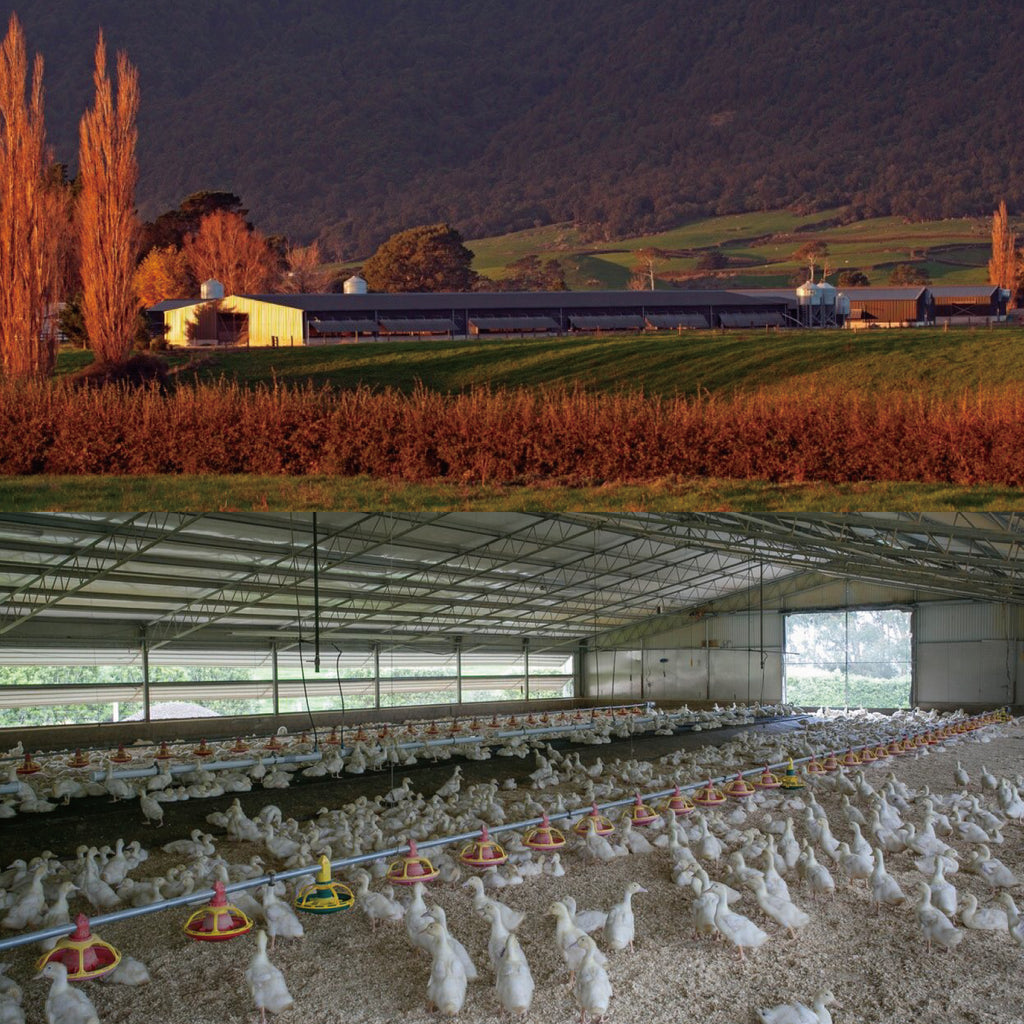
{"type": "Point", "coordinates": [646, 713]}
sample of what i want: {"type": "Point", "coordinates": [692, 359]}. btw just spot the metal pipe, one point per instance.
{"type": "Point", "coordinates": [205, 895]}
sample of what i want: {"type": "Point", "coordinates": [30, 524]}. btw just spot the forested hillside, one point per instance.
{"type": "Point", "coordinates": [350, 120]}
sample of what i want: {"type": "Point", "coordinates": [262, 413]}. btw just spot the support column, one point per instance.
{"type": "Point", "coordinates": [376, 675]}
{"type": "Point", "coordinates": [526, 666]}
{"type": "Point", "coordinates": [458, 668]}
{"type": "Point", "coordinates": [273, 677]}
{"type": "Point", "coordinates": [145, 676]}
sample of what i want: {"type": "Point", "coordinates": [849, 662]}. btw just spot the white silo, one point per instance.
{"type": "Point", "coordinates": [211, 289]}
{"type": "Point", "coordinates": [355, 285]}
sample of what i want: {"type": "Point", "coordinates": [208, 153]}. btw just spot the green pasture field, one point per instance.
{"type": "Point", "coordinates": [933, 362]}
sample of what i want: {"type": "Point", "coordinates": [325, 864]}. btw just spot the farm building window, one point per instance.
{"type": "Point", "coordinates": [856, 658]}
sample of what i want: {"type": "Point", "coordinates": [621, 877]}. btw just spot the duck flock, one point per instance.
{"type": "Point", "coordinates": [705, 915]}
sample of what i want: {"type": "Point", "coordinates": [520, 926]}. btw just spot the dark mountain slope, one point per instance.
{"type": "Point", "coordinates": [350, 120]}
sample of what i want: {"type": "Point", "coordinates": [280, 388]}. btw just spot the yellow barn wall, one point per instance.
{"type": "Point", "coordinates": [266, 321]}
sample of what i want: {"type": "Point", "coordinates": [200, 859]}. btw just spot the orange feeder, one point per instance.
{"type": "Point", "coordinates": [28, 766]}
{"type": "Point", "coordinates": [78, 761]}
{"type": "Point", "coordinates": [830, 764]}
{"type": "Point", "coordinates": [881, 752]}
{"type": "Point", "coordinates": [867, 756]}
{"type": "Point", "coordinates": [678, 803]}
{"type": "Point", "coordinates": [164, 753]}
{"type": "Point", "coordinates": [122, 756]}
{"type": "Point", "coordinates": [412, 868]}
{"type": "Point", "coordinates": [273, 744]}
{"type": "Point", "coordinates": [483, 852]}
{"type": "Point", "coordinates": [203, 750]}
{"type": "Point", "coordinates": [333, 739]}
{"type": "Point", "coordinates": [513, 722]}
{"type": "Point", "coordinates": [850, 760]}
{"type": "Point", "coordinates": [895, 749]}
{"type": "Point", "coordinates": [83, 954]}
{"type": "Point", "coordinates": [594, 823]}
{"type": "Point", "coordinates": [240, 746]}
{"type": "Point", "coordinates": [766, 780]}
{"type": "Point", "coordinates": [544, 838]}
{"type": "Point", "coordinates": [708, 796]}
{"type": "Point", "coordinates": [641, 814]}
{"type": "Point", "coordinates": [432, 729]}
{"type": "Point", "coordinates": [218, 921]}
{"type": "Point", "coordinates": [739, 788]}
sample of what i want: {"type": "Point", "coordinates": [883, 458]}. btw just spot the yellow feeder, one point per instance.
{"type": "Point", "coordinates": [218, 920]}
{"type": "Point", "coordinates": [325, 895]}
{"type": "Point", "coordinates": [791, 780]}
{"type": "Point", "coordinates": [739, 788]}
{"type": "Point", "coordinates": [412, 868]}
{"type": "Point", "coordinates": [84, 955]}
{"type": "Point", "coordinates": [593, 823]}
{"type": "Point", "coordinates": [484, 852]}
{"type": "Point", "coordinates": [544, 838]}
{"type": "Point", "coordinates": [708, 796]}
{"type": "Point", "coordinates": [678, 803]}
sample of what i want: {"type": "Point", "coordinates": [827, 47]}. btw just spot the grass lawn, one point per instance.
{"type": "Point", "coordinates": [933, 362]}
{"type": "Point", "coordinates": [276, 493]}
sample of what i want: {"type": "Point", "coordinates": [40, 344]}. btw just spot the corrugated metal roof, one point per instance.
{"type": "Point", "coordinates": [964, 291]}
{"type": "Point", "coordinates": [876, 294]}
{"type": "Point", "coordinates": [169, 304]}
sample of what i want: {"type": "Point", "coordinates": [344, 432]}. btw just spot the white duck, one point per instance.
{"type": "Point", "coordinates": [884, 888]}
{"type": "Point", "coordinates": [281, 919]}
{"type": "Point", "coordinates": [983, 919]}
{"type": "Point", "coordinates": [994, 871]}
{"type": "Point", "coordinates": [437, 915]}
{"type": "Point", "coordinates": [739, 930]}
{"type": "Point", "coordinates": [588, 920]}
{"type": "Point", "coordinates": [569, 939]}
{"type": "Point", "coordinates": [446, 988]}
{"type": "Point", "coordinates": [417, 918]}
{"type": "Point", "coordinates": [513, 982]}
{"type": "Point", "coordinates": [1013, 919]}
{"type": "Point", "coordinates": [129, 972]}
{"type": "Point", "coordinates": [943, 892]}
{"type": "Point", "coordinates": [781, 911]}
{"type": "Point", "coordinates": [592, 989]}
{"type": "Point", "coordinates": [498, 939]}
{"type": "Point", "coordinates": [266, 982]}
{"type": "Point", "coordinates": [30, 906]}
{"type": "Point", "coordinates": [377, 906]}
{"type": "Point", "coordinates": [935, 926]}
{"type": "Point", "coordinates": [620, 926]}
{"type": "Point", "coordinates": [801, 1013]}
{"type": "Point", "coordinates": [64, 1004]}
{"type": "Point", "coordinates": [510, 918]}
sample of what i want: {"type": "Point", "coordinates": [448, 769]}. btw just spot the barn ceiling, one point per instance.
{"type": "Point", "coordinates": [225, 581]}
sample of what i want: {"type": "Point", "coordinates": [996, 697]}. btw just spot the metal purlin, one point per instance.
{"type": "Point", "coordinates": [196, 898]}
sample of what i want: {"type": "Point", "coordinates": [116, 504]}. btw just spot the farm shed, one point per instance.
{"type": "Point", "coordinates": [468, 607]}
{"type": "Point", "coordinates": [890, 307]}
{"type": "Point", "coordinates": [966, 303]}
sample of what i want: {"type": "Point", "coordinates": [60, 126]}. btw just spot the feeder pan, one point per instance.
{"type": "Point", "coordinates": [333, 739]}
{"type": "Point", "coordinates": [930, 739]}
{"type": "Point", "coordinates": [909, 745]}
{"type": "Point", "coordinates": [203, 750]}
{"type": "Point", "coordinates": [815, 767]}
{"type": "Point", "coordinates": [432, 729]}
{"type": "Point", "coordinates": [78, 761]}
{"type": "Point", "coordinates": [273, 744]}
{"type": "Point", "coordinates": [494, 721]}
{"type": "Point", "coordinates": [164, 753]}
{"type": "Point", "coordinates": [577, 717]}
{"type": "Point", "coordinates": [867, 756]}
{"type": "Point", "coordinates": [512, 723]}
{"type": "Point", "coordinates": [641, 814]}
{"type": "Point", "coordinates": [122, 756]}
{"type": "Point", "coordinates": [678, 803]}
{"type": "Point", "coordinates": [483, 852]}
{"type": "Point", "coordinates": [850, 759]}
{"type": "Point", "coordinates": [881, 752]}
{"type": "Point", "coordinates": [594, 823]}
{"type": "Point", "coordinates": [791, 780]}
{"type": "Point", "coordinates": [28, 766]}
{"type": "Point", "coordinates": [708, 796]}
{"type": "Point", "coordinates": [218, 921]}
{"type": "Point", "coordinates": [474, 725]}
{"type": "Point", "coordinates": [324, 896]}
{"type": "Point", "coordinates": [409, 731]}
{"type": "Point", "coordinates": [830, 764]}
{"type": "Point", "coordinates": [766, 780]}
{"type": "Point", "coordinates": [544, 718]}
{"type": "Point", "coordinates": [544, 837]}
{"type": "Point", "coordinates": [240, 746]}
{"type": "Point", "coordinates": [361, 737]}
{"type": "Point", "coordinates": [83, 954]}
{"type": "Point", "coordinates": [895, 749]}
{"type": "Point", "coordinates": [455, 730]}
{"type": "Point", "coordinates": [739, 788]}
{"type": "Point", "coordinates": [383, 734]}
{"type": "Point", "coordinates": [411, 868]}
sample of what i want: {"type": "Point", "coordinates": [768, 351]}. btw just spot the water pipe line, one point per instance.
{"type": "Point", "coordinates": [204, 895]}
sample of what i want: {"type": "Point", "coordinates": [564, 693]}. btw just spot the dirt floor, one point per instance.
{"type": "Point", "coordinates": [342, 971]}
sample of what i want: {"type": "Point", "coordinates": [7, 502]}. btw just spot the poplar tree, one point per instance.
{"type": "Point", "coordinates": [107, 229]}
{"type": "Point", "coordinates": [32, 216]}
{"type": "Point", "coordinates": [1002, 268]}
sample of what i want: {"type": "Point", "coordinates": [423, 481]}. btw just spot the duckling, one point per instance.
{"type": "Point", "coordinates": [513, 982]}
{"type": "Point", "coordinates": [499, 936]}
{"type": "Point", "coordinates": [266, 982]}
{"type": "Point", "coordinates": [446, 988]}
{"type": "Point", "coordinates": [437, 915]}
{"type": "Point", "coordinates": [588, 920]}
{"type": "Point", "coordinates": [781, 911]}
{"type": "Point", "coordinates": [510, 918]}
{"type": "Point", "coordinates": [854, 865]}
{"type": "Point", "coordinates": [704, 908]}
{"type": "Point", "coordinates": [9, 989]}
{"type": "Point", "coordinates": [620, 926]}
{"type": "Point", "coordinates": [568, 938]}
{"type": "Point", "coordinates": [935, 926]}
{"type": "Point", "coordinates": [739, 930]}
{"type": "Point", "coordinates": [800, 1013]}
{"type": "Point", "coordinates": [592, 988]}
{"type": "Point", "coordinates": [994, 871]}
{"type": "Point", "coordinates": [128, 972]}
{"type": "Point", "coordinates": [281, 919]}
{"type": "Point", "coordinates": [1013, 920]}
{"type": "Point", "coordinates": [884, 888]}
{"type": "Point", "coordinates": [943, 893]}
{"type": "Point", "coordinates": [960, 776]}
{"type": "Point", "coordinates": [58, 912]}
{"type": "Point", "coordinates": [64, 1004]}
{"type": "Point", "coordinates": [417, 918]}
{"type": "Point", "coordinates": [985, 919]}
{"type": "Point", "coordinates": [30, 905]}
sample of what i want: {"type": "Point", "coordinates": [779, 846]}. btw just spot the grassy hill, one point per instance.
{"type": "Point", "coordinates": [759, 249]}
{"type": "Point", "coordinates": [933, 363]}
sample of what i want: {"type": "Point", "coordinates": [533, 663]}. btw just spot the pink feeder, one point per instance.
{"type": "Point", "coordinates": [641, 814]}
{"type": "Point", "coordinates": [739, 788]}
{"type": "Point", "coordinates": [83, 954]}
{"type": "Point", "coordinates": [164, 753]}
{"type": "Point", "coordinates": [218, 921]}
{"type": "Point", "coordinates": [678, 803]}
{"type": "Point", "coordinates": [708, 796]}
{"type": "Point", "coordinates": [483, 852]}
{"type": "Point", "coordinates": [767, 780]}
{"type": "Point", "coordinates": [593, 823]}
{"type": "Point", "coordinates": [544, 838]}
{"type": "Point", "coordinates": [203, 750]}
{"type": "Point", "coordinates": [412, 868]}
{"type": "Point", "coordinates": [78, 761]}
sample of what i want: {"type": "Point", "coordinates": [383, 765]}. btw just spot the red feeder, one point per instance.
{"type": "Point", "coordinates": [512, 723]}
{"type": "Point", "coordinates": [530, 720]}
{"type": "Point", "coordinates": [383, 734]}
{"type": "Point", "coordinates": [544, 718]}
{"type": "Point", "coordinates": [455, 730]}
{"type": "Point", "coordinates": [483, 852]}
{"type": "Point", "coordinates": [84, 955]}
{"type": "Point", "coordinates": [28, 766]}
{"type": "Point", "coordinates": [850, 760]}
{"type": "Point", "coordinates": [593, 823]}
{"type": "Point", "coordinates": [895, 749]}
{"type": "Point", "coordinates": [739, 788]}
{"type": "Point", "coordinates": [708, 796]}
{"type": "Point", "coordinates": [544, 838]}
{"type": "Point", "coordinates": [494, 721]}
{"type": "Point", "coordinates": [122, 756]}
{"type": "Point", "coordinates": [333, 739]}
{"type": "Point", "coordinates": [203, 750]}
{"type": "Point", "coordinates": [240, 746]}
{"type": "Point", "coordinates": [678, 803]}
{"type": "Point", "coordinates": [432, 729]}
{"type": "Point", "coordinates": [218, 921]}
{"type": "Point", "coordinates": [273, 744]}
{"type": "Point", "coordinates": [767, 780]}
{"type": "Point", "coordinates": [830, 764]}
{"type": "Point", "coordinates": [474, 725]}
{"type": "Point", "coordinates": [641, 814]}
{"type": "Point", "coordinates": [78, 761]}
{"type": "Point", "coordinates": [412, 868]}
{"type": "Point", "coordinates": [360, 736]}
{"type": "Point", "coordinates": [163, 754]}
